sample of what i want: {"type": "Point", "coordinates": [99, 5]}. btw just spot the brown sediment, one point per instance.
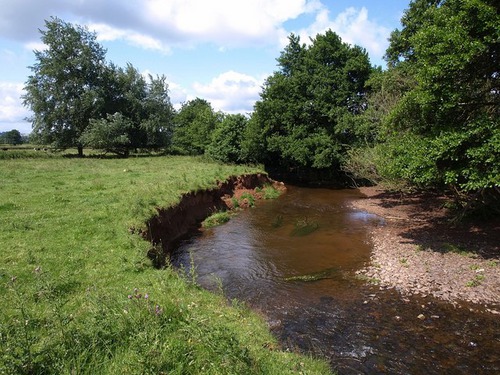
{"type": "Point", "coordinates": [418, 251]}
{"type": "Point", "coordinates": [172, 224]}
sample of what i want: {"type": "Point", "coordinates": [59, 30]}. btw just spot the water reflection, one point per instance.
{"type": "Point", "coordinates": [295, 258]}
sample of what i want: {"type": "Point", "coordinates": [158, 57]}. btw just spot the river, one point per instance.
{"type": "Point", "coordinates": [294, 259]}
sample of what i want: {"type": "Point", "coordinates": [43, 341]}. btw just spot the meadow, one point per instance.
{"type": "Point", "coordinates": [80, 296]}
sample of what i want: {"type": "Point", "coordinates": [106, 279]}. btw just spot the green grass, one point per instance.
{"type": "Point", "coordinates": [476, 281]}
{"type": "Point", "coordinates": [452, 248]}
{"type": "Point", "coordinates": [216, 219]}
{"type": "Point", "coordinates": [71, 274]}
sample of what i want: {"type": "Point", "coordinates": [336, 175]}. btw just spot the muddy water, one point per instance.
{"type": "Point", "coordinates": [294, 259]}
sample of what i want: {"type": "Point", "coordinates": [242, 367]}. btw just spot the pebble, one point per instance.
{"type": "Point", "coordinates": [421, 317]}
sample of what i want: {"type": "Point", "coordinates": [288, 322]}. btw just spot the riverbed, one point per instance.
{"type": "Point", "coordinates": [297, 259]}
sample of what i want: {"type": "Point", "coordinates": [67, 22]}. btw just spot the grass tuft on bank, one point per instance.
{"type": "Point", "coordinates": [79, 294]}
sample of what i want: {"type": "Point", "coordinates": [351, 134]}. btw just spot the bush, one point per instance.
{"type": "Point", "coordinates": [227, 138]}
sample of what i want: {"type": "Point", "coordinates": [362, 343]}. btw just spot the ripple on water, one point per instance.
{"type": "Point", "coordinates": [306, 286]}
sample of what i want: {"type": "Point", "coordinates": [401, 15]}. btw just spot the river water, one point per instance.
{"type": "Point", "coordinates": [294, 260]}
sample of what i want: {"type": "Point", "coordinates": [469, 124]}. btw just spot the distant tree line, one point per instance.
{"type": "Point", "coordinates": [430, 120]}
{"type": "Point", "coordinates": [12, 137]}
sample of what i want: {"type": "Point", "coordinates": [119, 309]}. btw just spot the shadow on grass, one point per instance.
{"type": "Point", "coordinates": [109, 156]}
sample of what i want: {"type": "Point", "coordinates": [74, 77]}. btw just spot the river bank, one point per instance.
{"type": "Point", "coordinates": [418, 251]}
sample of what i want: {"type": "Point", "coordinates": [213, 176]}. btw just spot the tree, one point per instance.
{"type": "Point", "coordinates": [306, 109]}
{"type": "Point", "coordinates": [452, 48]}
{"type": "Point", "coordinates": [12, 137]}
{"type": "Point", "coordinates": [193, 127]}
{"type": "Point", "coordinates": [63, 91]}
{"type": "Point", "coordinates": [111, 134]}
{"type": "Point", "coordinates": [158, 122]}
{"type": "Point", "coordinates": [139, 113]}
{"type": "Point", "coordinates": [225, 145]}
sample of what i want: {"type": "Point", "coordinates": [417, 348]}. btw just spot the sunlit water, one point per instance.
{"type": "Point", "coordinates": [294, 259]}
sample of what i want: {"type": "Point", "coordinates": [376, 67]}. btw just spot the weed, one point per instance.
{"type": "Point", "coordinates": [247, 199]}
{"type": "Point", "coordinates": [270, 192]}
{"type": "Point", "coordinates": [452, 248]}
{"type": "Point", "coordinates": [278, 221]}
{"type": "Point", "coordinates": [235, 202]}
{"type": "Point", "coordinates": [192, 269]}
{"type": "Point", "coordinates": [216, 219]}
{"type": "Point", "coordinates": [420, 248]}
{"type": "Point", "coordinates": [493, 263]}
{"type": "Point", "coordinates": [303, 227]}
{"type": "Point", "coordinates": [475, 282]}
{"type": "Point", "coordinates": [369, 280]}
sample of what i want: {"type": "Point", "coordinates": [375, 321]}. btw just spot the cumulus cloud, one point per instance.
{"type": "Point", "coordinates": [166, 24]}
{"type": "Point", "coordinates": [226, 22]}
{"type": "Point", "coordinates": [107, 33]}
{"type": "Point", "coordinates": [160, 24]}
{"type": "Point", "coordinates": [231, 92]}
{"type": "Point", "coordinates": [12, 112]}
{"type": "Point", "coordinates": [353, 26]}
{"type": "Point", "coordinates": [177, 94]}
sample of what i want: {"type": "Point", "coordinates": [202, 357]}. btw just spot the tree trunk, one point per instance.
{"type": "Point", "coordinates": [80, 151]}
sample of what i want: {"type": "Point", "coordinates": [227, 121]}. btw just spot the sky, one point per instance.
{"type": "Point", "coordinates": [218, 50]}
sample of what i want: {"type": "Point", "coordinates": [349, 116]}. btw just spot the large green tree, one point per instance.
{"type": "Point", "coordinates": [12, 137]}
{"type": "Point", "coordinates": [304, 117]}
{"type": "Point", "coordinates": [139, 113]}
{"type": "Point", "coordinates": [63, 91]}
{"type": "Point", "coordinates": [227, 138]}
{"type": "Point", "coordinates": [193, 127]}
{"type": "Point", "coordinates": [450, 120]}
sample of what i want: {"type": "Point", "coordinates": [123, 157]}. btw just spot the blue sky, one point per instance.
{"type": "Point", "coordinates": [218, 50]}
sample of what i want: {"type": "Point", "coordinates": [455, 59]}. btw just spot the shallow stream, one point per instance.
{"type": "Point", "coordinates": [294, 260]}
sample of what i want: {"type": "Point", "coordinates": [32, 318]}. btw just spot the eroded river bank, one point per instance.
{"type": "Point", "coordinates": [298, 260]}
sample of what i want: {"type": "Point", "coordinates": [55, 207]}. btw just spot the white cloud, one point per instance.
{"type": "Point", "coordinates": [231, 92]}
{"type": "Point", "coordinates": [225, 22]}
{"type": "Point", "coordinates": [12, 112]}
{"type": "Point", "coordinates": [161, 24]}
{"type": "Point", "coordinates": [109, 33]}
{"type": "Point", "coordinates": [177, 94]}
{"type": "Point", "coordinates": [354, 27]}
{"type": "Point", "coordinates": [166, 24]}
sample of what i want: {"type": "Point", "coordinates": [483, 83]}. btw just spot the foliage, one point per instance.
{"type": "Point", "coordinates": [111, 134]}
{"type": "Point", "coordinates": [12, 137]}
{"type": "Point", "coordinates": [80, 296]}
{"type": "Point", "coordinates": [74, 95]}
{"type": "Point", "coordinates": [270, 192]}
{"type": "Point", "coordinates": [216, 219]}
{"type": "Point", "coordinates": [142, 117]}
{"type": "Point", "coordinates": [227, 137]}
{"type": "Point", "coordinates": [26, 154]}
{"type": "Point", "coordinates": [193, 127]}
{"type": "Point", "coordinates": [433, 116]}
{"type": "Point", "coordinates": [453, 49]}
{"type": "Point", "coordinates": [306, 109]}
{"type": "Point", "coordinates": [63, 91]}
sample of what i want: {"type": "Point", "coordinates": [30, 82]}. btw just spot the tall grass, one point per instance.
{"type": "Point", "coordinates": [78, 293]}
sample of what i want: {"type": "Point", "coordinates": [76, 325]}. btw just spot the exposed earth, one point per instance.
{"type": "Point", "coordinates": [420, 251]}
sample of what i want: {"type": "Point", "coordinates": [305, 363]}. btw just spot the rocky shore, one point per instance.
{"type": "Point", "coordinates": [419, 251]}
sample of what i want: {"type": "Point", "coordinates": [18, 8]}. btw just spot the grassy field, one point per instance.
{"type": "Point", "coordinates": [79, 296]}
